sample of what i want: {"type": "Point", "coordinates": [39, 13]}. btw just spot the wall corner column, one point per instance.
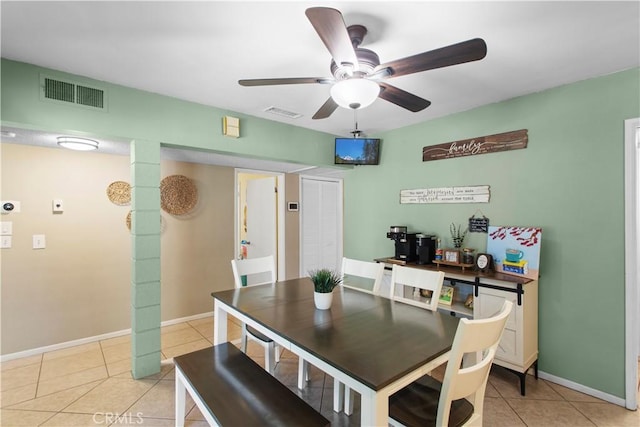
{"type": "Point", "coordinates": [145, 262]}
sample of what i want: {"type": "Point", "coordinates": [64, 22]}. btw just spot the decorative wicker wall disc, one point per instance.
{"type": "Point", "coordinates": [119, 192]}
{"type": "Point", "coordinates": [178, 195]}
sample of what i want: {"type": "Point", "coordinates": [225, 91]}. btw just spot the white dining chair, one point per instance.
{"type": "Point", "coordinates": [263, 270]}
{"type": "Point", "coordinates": [363, 276]}
{"type": "Point", "coordinates": [408, 282]}
{"type": "Point", "coordinates": [459, 399]}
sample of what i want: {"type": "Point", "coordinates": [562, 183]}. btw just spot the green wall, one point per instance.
{"type": "Point", "coordinates": [569, 181]}
{"type": "Point", "coordinates": [139, 115]}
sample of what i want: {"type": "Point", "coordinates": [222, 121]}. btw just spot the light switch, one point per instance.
{"type": "Point", "coordinates": [39, 241]}
{"type": "Point", "coordinates": [5, 242]}
{"type": "Point", "coordinates": [6, 228]}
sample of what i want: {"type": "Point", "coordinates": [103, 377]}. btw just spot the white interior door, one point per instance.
{"type": "Point", "coordinates": [261, 219]}
{"type": "Point", "coordinates": [320, 224]}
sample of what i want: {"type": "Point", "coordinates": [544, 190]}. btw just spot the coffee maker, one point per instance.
{"type": "Point", "coordinates": [405, 243]}
{"type": "Point", "coordinates": [425, 248]}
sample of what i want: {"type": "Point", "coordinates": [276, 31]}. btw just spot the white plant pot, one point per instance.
{"type": "Point", "coordinates": [322, 300]}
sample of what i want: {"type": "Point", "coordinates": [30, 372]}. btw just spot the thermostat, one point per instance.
{"type": "Point", "coordinates": [292, 206]}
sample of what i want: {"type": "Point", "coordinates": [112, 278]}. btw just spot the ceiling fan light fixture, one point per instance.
{"type": "Point", "coordinates": [355, 93]}
{"type": "Point", "coordinates": [79, 144]}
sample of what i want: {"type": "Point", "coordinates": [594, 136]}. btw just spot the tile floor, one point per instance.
{"type": "Point", "coordinates": [90, 385]}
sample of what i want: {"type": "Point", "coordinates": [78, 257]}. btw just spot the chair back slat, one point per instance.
{"type": "Point", "coordinates": [253, 266]}
{"type": "Point", "coordinates": [359, 275]}
{"type": "Point", "coordinates": [406, 283]}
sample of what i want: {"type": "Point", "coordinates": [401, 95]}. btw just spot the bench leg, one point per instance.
{"type": "Point", "coordinates": [243, 339]}
{"type": "Point", "coordinates": [181, 394]}
{"type": "Point", "coordinates": [338, 394]}
{"type": "Point", "coordinates": [303, 373]}
{"type": "Point", "coordinates": [269, 352]}
{"type": "Point", "coordinates": [348, 400]}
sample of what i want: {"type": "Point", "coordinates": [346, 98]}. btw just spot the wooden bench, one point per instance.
{"type": "Point", "coordinates": [230, 389]}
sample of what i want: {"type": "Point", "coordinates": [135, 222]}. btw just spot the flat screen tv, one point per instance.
{"type": "Point", "coordinates": [357, 151]}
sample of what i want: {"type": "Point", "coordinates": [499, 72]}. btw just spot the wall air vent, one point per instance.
{"type": "Point", "coordinates": [281, 112]}
{"type": "Point", "coordinates": [71, 92]}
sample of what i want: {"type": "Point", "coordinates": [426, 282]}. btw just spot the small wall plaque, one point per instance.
{"type": "Point", "coordinates": [231, 126]}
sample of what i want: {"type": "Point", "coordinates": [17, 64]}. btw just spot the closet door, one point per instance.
{"type": "Point", "coordinates": [320, 224]}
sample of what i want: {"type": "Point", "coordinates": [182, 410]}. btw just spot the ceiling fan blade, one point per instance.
{"type": "Point", "coordinates": [402, 98]}
{"type": "Point", "coordinates": [330, 26]}
{"type": "Point", "coordinates": [459, 53]}
{"type": "Point", "coordinates": [284, 81]}
{"type": "Point", "coordinates": [326, 110]}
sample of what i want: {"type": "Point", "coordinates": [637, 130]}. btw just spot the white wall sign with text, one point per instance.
{"type": "Point", "coordinates": [472, 194]}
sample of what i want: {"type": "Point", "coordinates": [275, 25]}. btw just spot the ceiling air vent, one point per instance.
{"type": "Point", "coordinates": [71, 92]}
{"type": "Point", "coordinates": [283, 113]}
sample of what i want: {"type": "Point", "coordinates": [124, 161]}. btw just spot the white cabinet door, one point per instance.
{"type": "Point", "coordinates": [487, 304]}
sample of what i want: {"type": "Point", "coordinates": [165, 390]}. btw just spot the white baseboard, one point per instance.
{"type": "Point", "coordinates": [582, 389]}
{"type": "Point", "coordinates": [87, 340]}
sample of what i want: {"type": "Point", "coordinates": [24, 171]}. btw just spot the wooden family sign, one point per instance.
{"type": "Point", "coordinates": [482, 145]}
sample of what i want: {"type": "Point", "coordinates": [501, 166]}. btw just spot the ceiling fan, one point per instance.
{"type": "Point", "coordinates": [357, 73]}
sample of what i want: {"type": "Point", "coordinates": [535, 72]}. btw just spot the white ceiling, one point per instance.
{"type": "Point", "coordinates": [197, 51]}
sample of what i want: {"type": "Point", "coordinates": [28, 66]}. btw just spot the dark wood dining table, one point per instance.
{"type": "Point", "coordinates": [370, 343]}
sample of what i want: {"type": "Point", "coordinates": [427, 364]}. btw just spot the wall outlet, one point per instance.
{"type": "Point", "coordinates": [57, 206]}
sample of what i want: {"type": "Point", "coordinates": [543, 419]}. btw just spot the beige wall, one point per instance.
{"type": "Point", "coordinates": [79, 286]}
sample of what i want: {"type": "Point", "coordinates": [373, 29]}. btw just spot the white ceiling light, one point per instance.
{"type": "Point", "coordinates": [355, 93]}
{"type": "Point", "coordinates": [75, 143]}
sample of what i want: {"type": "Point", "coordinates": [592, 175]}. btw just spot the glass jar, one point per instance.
{"type": "Point", "coordinates": [468, 256]}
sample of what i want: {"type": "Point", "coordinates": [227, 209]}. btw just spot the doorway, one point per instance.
{"type": "Point", "coordinates": [259, 216]}
{"type": "Point", "coordinates": [632, 267]}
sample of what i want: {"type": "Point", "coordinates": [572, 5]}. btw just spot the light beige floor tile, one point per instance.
{"type": "Point", "coordinates": [497, 413]}
{"type": "Point", "coordinates": [17, 418]}
{"type": "Point", "coordinates": [547, 413]}
{"type": "Point", "coordinates": [491, 391]}
{"type": "Point", "coordinates": [508, 385]}
{"type": "Point", "coordinates": [71, 351]}
{"type": "Point", "coordinates": [205, 329]}
{"type": "Point", "coordinates": [77, 362]}
{"type": "Point", "coordinates": [186, 348]}
{"type": "Point", "coordinates": [121, 367]}
{"type": "Point", "coordinates": [57, 401]}
{"type": "Point", "coordinates": [19, 377]}
{"type": "Point", "coordinates": [159, 401]}
{"type": "Point", "coordinates": [23, 361]}
{"type": "Point", "coordinates": [175, 327]}
{"type": "Point", "coordinates": [203, 321]}
{"type": "Point", "coordinates": [163, 422]}
{"type": "Point", "coordinates": [17, 395]}
{"type": "Point", "coordinates": [195, 414]}
{"type": "Point", "coordinates": [69, 381]}
{"type": "Point", "coordinates": [117, 352]}
{"type": "Point", "coordinates": [608, 415]}
{"type": "Point", "coordinates": [78, 420]}
{"type": "Point", "coordinates": [179, 337]}
{"type": "Point", "coordinates": [113, 395]}
{"type": "Point", "coordinates": [116, 341]}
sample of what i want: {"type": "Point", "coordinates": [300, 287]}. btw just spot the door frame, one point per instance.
{"type": "Point", "coordinates": [632, 251]}
{"type": "Point", "coordinates": [340, 244]}
{"type": "Point", "coordinates": [280, 216]}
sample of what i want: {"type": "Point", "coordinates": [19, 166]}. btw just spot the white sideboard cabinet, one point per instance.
{"type": "Point", "coordinates": [518, 350]}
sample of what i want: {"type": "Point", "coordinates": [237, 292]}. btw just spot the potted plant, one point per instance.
{"type": "Point", "coordinates": [457, 235]}
{"type": "Point", "coordinates": [324, 281]}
